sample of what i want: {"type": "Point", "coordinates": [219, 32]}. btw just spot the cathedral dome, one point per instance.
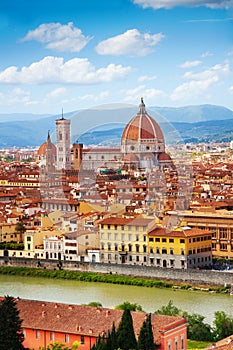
{"type": "Point", "coordinates": [43, 149]}
{"type": "Point", "coordinates": [164, 157]}
{"type": "Point", "coordinates": [142, 128]}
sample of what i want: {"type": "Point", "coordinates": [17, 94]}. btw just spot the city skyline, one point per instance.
{"type": "Point", "coordinates": [76, 55]}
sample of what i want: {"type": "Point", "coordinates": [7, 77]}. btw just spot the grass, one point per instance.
{"type": "Point", "coordinates": [195, 345]}
{"type": "Point", "coordinates": [98, 277]}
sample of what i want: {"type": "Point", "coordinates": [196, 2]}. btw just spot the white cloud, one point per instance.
{"type": "Point", "coordinates": [54, 70]}
{"type": "Point", "coordinates": [190, 64]}
{"type": "Point", "coordinates": [206, 54]}
{"type": "Point", "coordinates": [59, 37]}
{"type": "Point", "coordinates": [199, 82]}
{"type": "Point", "coordinates": [147, 78]}
{"type": "Point", "coordinates": [132, 42]}
{"type": "Point", "coordinates": [231, 89]}
{"type": "Point", "coordinates": [168, 4]}
{"type": "Point", "coordinates": [151, 95]}
{"type": "Point", "coordinates": [14, 96]}
{"type": "Point", "coordinates": [56, 93]}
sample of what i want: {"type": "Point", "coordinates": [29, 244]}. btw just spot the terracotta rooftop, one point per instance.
{"type": "Point", "coordinates": [87, 320]}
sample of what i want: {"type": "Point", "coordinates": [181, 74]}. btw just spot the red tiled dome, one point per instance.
{"type": "Point", "coordinates": [42, 150]}
{"type": "Point", "coordinates": [142, 127]}
{"type": "Point", "coordinates": [164, 157]}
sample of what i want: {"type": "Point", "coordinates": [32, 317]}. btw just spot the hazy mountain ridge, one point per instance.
{"type": "Point", "coordinates": [186, 121]}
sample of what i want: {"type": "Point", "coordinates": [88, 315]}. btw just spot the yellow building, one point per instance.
{"type": "Point", "coordinates": [124, 240]}
{"type": "Point", "coordinates": [181, 248]}
{"type": "Point", "coordinates": [8, 233]}
{"type": "Point", "coordinates": [219, 222]}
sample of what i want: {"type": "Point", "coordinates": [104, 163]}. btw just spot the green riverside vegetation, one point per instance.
{"type": "Point", "coordinates": [103, 277]}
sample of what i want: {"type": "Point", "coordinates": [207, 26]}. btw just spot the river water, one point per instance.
{"type": "Point", "coordinates": [110, 295]}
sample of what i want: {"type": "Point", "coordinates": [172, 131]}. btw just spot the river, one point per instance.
{"type": "Point", "coordinates": [110, 295]}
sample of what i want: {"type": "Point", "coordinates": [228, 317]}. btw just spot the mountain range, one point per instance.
{"type": "Point", "coordinates": [104, 125]}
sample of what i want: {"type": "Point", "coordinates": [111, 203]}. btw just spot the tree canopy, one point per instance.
{"type": "Point", "coordinates": [11, 335]}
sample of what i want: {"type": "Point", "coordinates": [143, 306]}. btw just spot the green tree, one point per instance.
{"type": "Point", "coordinates": [223, 325]}
{"type": "Point", "coordinates": [59, 346]}
{"type": "Point", "coordinates": [95, 303]}
{"type": "Point", "coordinates": [129, 306]}
{"type": "Point", "coordinates": [169, 309]}
{"type": "Point", "coordinates": [11, 335]}
{"type": "Point", "coordinates": [146, 338]}
{"type": "Point", "coordinates": [197, 329]}
{"type": "Point", "coordinates": [111, 342]}
{"type": "Point", "coordinates": [125, 333]}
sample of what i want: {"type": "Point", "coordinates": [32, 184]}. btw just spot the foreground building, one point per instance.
{"type": "Point", "coordinates": [56, 322]}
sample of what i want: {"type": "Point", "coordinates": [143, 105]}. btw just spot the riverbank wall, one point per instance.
{"type": "Point", "coordinates": [192, 277]}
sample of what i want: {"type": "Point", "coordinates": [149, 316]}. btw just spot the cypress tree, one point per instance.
{"type": "Point", "coordinates": [11, 336]}
{"type": "Point", "coordinates": [142, 339]}
{"type": "Point", "coordinates": [125, 333]}
{"type": "Point", "coordinates": [146, 338]}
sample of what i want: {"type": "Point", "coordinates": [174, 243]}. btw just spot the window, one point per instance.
{"type": "Point", "coordinates": [157, 251]}
{"type": "Point", "coordinates": [182, 240]}
{"type": "Point", "coordinates": [164, 240]}
{"type": "Point", "coordinates": [164, 251]}
{"type": "Point", "coordinates": [130, 247]}
{"type": "Point", "coordinates": [137, 248]}
{"type": "Point", "coordinates": [171, 251]}
{"type": "Point", "coordinates": [157, 239]}
{"type": "Point", "coordinates": [223, 246]}
{"type": "Point", "coordinates": [28, 239]}
{"type": "Point", "coordinates": [37, 334]}
{"type": "Point", "coordinates": [182, 342]}
{"type": "Point", "coordinates": [144, 249]}
{"type": "Point", "coordinates": [122, 227]}
{"type": "Point", "coordinates": [51, 336]}
{"type": "Point", "coordinates": [82, 339]}
{"type": "Point", "coordinates": [67, 338]}
{"type": "Point", "coordinates": [151, 239]}
{"type": "Point", "coordinates": [223, 232]}
{"type": "Point", "coordinates": [171, 240]}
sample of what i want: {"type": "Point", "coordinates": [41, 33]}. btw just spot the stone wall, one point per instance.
{"type": "Point", "coordinates": [218, 278]}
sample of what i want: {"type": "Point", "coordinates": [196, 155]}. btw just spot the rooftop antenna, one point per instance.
{"type": "Point", "coordinates": [62, 117]}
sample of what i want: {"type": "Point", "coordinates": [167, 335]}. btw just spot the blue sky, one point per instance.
{"type": "Point", "coordinates": [78, 54]}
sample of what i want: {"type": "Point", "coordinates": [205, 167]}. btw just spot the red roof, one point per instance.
{"type": "Point", "coordinates": [86, 320]}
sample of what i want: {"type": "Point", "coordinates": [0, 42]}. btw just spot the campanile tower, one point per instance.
{"type": "Point", "coordinates": [63, 143]}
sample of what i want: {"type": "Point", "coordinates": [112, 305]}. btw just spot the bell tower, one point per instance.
{"type": "Point", "coordinates": [63, 143]}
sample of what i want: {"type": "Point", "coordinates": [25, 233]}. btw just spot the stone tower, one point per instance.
{"type": "Point", "coordinates": [63, 143]}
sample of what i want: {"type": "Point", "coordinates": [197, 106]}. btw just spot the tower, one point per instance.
{"type": "Point", "coordinates": [50, 155]}
{"type": "Point", "coordinates": [63, 143]}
